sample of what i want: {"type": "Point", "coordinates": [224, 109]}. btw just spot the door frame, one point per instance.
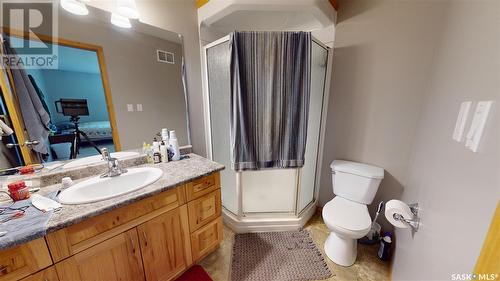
{"type": "Point", "coordinates": [16, 117]}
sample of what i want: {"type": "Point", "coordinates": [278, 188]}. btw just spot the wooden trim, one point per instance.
{"type": "Point", "coordinates": [102, 66]}
{"type": "Point", "coordinates": [200, 3]}
{"type": "Point", "coordinates": [109, 99]}
{"type": "Point", "coordinates": [335, 4]}
{"type": "Point", "coordinates": [15, 117]}
{"type": "Point", "coordinates": [186, 235]}
{"type": "Point", "coordinates": [489, 258]}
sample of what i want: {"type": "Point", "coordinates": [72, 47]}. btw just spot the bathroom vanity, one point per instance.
{"type": "Point", "coordinates": [155, 233]}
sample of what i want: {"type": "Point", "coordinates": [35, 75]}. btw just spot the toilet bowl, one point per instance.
{"type": "Point", "coordinates": [346, 215]}
{"type": "Point", "coordinates": [348, 221]}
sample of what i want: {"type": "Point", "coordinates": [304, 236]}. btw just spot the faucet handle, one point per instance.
{"type": "Point", "coordinates": [105, 153]}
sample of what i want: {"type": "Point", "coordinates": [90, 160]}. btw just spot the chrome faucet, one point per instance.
{"type": "Point", "coordinates": [114, 168]}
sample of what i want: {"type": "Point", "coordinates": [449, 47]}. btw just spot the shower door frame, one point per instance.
{"type": "Point", "coordinates": [309, 209]}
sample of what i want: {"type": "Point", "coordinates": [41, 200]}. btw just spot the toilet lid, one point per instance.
{"type": "Point", "coordinates": [347, 214]}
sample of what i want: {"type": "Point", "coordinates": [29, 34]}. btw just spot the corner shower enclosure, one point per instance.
{"type": "Point", "coordinates": [269, 199]}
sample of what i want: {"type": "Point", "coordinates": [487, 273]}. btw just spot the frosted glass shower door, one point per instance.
{"type": "Point", "coordinates": [308, 171]}
{"type": "Point", "coordinates": [219, 85]}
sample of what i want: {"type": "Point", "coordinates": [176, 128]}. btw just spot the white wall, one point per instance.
{"type": "Point", "coordinates": [401, 69]}
{"type": "Point", "coordinates": [381, 62]}
{"type": "Point", "coordinates": [457, 189]}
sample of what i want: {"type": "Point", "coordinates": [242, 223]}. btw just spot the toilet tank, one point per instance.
{"type": "Point", "coordinates": [356, 181]}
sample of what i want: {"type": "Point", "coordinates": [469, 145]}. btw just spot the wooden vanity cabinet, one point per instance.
{"type": "Point", "coordinates": [165, 245]}
{"type": "Point", "coordinates": [157, 238]}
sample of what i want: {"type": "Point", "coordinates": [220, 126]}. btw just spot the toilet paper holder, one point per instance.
{"type": "Point", "coordinates": [413, 222]}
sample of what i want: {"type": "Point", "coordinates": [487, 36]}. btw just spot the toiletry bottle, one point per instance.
{"type": "Point", "coordinates": [164, 152]}
{"type": "Point", "coordinates": [149, 154]}
{"type": "Point", "coordinates": [174, 145]}
{"type": "Point", "coordinates": [156, 158]}
{"type": "Point", "coordinates": [384, 251]}
{"type": "Point", "coordinates": [164, 135]}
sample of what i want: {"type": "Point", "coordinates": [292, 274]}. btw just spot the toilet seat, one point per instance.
{"type": "Point", "coordinates": [347, 218]}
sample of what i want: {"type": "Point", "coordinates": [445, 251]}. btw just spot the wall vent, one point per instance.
{"type": "Point", "coordinates": [165, 57]}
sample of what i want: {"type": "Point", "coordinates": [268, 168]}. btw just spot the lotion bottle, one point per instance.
{"type": "Point", "coordinates": [174, 145]}
{"type": "Point", "coordinates": [164, 152]}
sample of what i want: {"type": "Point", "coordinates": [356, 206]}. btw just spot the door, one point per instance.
{"type": "Point", "coordinates": [14, 117]}
{"type": "Point", "coordinates": [165, 246]}
{"type": "Point", "coordinates": [118, 258]}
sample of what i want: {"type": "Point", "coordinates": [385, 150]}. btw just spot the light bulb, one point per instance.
{"type": "Point", "coordinates": [75, 7]}
{"type": "Point", "coordinates": [127, 8]}
{"type": "Point", "coordinates": [120, 21]}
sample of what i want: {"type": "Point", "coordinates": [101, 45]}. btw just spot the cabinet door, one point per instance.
{"type": "Point", "coordinates": [118, 258]}
{"type": "Point", "coordinates": [23, 260]}
{"type": "Point", "coordinates": [165, 245]}
{"type": "Point", "coordinates": [48, 274]}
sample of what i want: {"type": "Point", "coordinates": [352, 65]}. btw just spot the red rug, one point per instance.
{"type": "Point", "coordinates": [195, 273]}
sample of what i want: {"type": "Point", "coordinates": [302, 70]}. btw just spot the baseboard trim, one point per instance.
{"type": "Point", "coordinates": [267, 224]}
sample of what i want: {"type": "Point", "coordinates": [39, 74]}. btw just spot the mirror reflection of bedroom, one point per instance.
{"type": "Point", "coordinates": [74, 97]}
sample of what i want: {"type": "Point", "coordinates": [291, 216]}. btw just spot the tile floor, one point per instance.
{"type": "Point", "coordinates": [367, 267]}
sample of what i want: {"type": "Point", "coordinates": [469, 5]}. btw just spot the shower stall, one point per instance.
{"type": "Point", "coordinates": [269, 199]}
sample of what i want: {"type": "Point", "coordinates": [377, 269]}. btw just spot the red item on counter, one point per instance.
{"type": "Point", "coordinates": [26, 170]}
{"type": "Point", "coordinates": [18, 190]}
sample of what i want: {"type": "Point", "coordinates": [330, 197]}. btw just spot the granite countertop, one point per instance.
{"type": "Point", "coordinates": [174, 174]}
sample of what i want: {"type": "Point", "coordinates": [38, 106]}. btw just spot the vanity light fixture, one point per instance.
{"type": "Point", "coordinates": [75, 7]}
{"type": "Point", "coordinates": [120, 20]}
{"type": "Point", "coordinates": [127, 8]}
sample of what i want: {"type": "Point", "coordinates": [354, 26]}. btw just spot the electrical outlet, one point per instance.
{"type": "Point", "coordinates": [130, 107]}
{"type": "Point", "coordinates": [139, 107]}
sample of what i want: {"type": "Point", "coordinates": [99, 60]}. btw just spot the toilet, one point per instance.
{"type": "Point", "coordinates": [346, 215]}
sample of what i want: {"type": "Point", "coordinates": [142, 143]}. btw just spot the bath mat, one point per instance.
{"type": "Point", "coordinates": [283, 256]}
{"type": "Point", "coordinates": [195, 273]}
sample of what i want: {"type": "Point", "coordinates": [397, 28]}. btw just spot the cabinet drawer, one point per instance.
{"type": "Point", "coordinates": [48, 274]}
{"type": "Point", "coordinates": [197, 188]}
{"type": "Point", "coordinates": [78, 237]}
{"type": "Point", "coordinates": [204, 209]}
{"type": "Point", "coordinates": [206, 239]}
{"type": "Point", "coordinates": [23, 260]}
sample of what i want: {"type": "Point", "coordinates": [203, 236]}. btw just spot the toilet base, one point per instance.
{"type": "Point", "coordinates": [342, 251]}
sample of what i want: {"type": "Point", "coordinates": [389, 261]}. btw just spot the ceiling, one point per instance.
{"type": "Point", "coordinates": [293, 15]}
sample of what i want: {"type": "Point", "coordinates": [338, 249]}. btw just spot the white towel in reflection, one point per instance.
{"type": "Point", "coordinates": [4, 129]}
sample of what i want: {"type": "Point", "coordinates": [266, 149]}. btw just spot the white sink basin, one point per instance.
{"type": "Point", "coordinates": [98, 158]}
{"type": "Point", "coordinates": [98, 189]}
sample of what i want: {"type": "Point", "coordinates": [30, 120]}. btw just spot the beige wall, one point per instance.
{"type": "Point", "coordinates": [135, 77]}
{"type": "Point", "coordinates": [401, 69]}
{"type": "Point", "coordinates": [381, 62]}
{"type": "Point", "coordinates": [178, 16]}
{"type": "Point", "coordinates": [181, 16]}
{"type": "Point", "coordinates": [457, 189]}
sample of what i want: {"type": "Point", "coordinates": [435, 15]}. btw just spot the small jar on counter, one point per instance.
{"type": "Point", "coordinates": [18, 191]}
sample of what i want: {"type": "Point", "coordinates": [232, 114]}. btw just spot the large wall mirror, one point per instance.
{"type": "Point", "coordinates": [113, 88]}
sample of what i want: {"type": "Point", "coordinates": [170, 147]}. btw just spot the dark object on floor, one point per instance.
{"type": "Point", "coordinates": [290, 255]}
{"type": "Point", "coordinates": [195, 273]}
